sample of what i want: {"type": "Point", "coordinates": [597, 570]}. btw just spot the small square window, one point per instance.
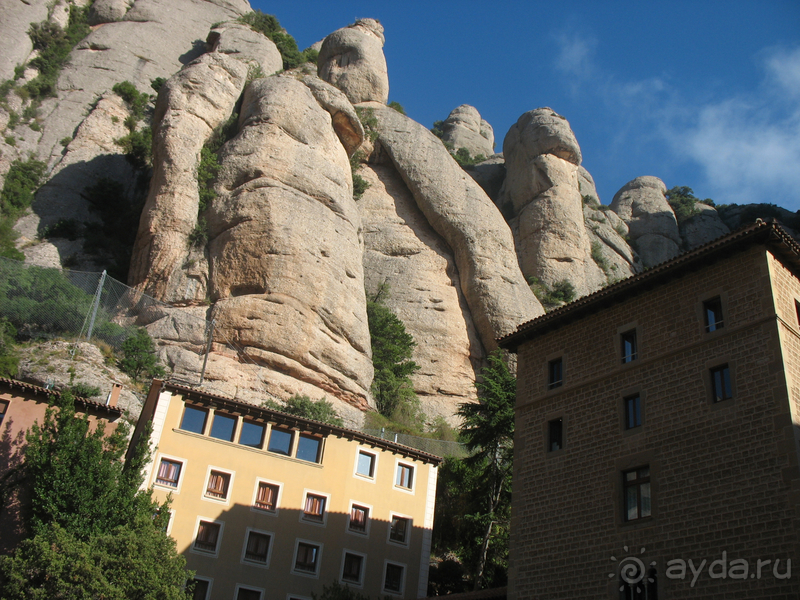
{"type": "Point", "coordinates": [628, 344]}
{"type": "Point", "coordinates": [633, 411]}
{"type": "Point", "coordinates": [280, 441]}
{"type": "Point", "coordinates": [555, 373]}
{"type": "Point", "coordinates": [712, 311]}
{"type": "Point", "coordinates": [207, 536]}
{"type": "Point", "coordinates": [398, 529]}
{"type": "Point", "coordinates": [218, 483]}
{"type": "Point", "coordinates": [352, 568]}
{"type": "Point", "coordinates": [314, 508]}
{"type": "Point", "coordinates": [223, 427]}
{"type": "Point", "coordinates": [308, 448]}
{"type": "Point", "coordinates": [194, 419]}
{"type": "Point", "coordinates": [201, 588]}
{"type": "Point", "coordinates": [366, 464]}
{"type": "Point", "coordinates": [405, 476]}
{"type": "Point", "coordinates": [257, 548]}
{"type": "Point", "coordinates": [252, 434]}
{"type": "Point", "coordinates": [393, 579]}
{"type": "Point", "coordinates": [267, 496]}
{"type": "Point", "coordinates": [248, 594]}
{"type": "Point", "coordinates": [555, 435]}
{"type": "Point", "coordinates": [636, 491]}
{"type": "Point", "coordinates": [358, 518]}
{"type": "Point", "coordinates": [307, 557]}
{"type": "Point", "coordinates": [169, 472]}
{"type": "Point", "coordinates": [721, 383]}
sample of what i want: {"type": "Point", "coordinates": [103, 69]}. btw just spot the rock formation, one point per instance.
{"type": "Point", "coordinates": [464, 128]}
{"type": "Point", "coordinates": [652, 226]}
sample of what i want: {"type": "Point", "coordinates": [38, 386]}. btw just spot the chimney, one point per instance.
{"type": "Point", "coordinates": [113, 395]}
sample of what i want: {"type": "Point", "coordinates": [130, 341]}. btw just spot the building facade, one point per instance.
{"type": "Point", "coordinates": [21, 405]}
{"type": "Point", "coordinates": [656, 449]}
{"type": "Point", "coordinates": [268, 505]}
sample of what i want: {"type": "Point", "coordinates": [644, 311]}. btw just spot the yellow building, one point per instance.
{"type": "Point", "coordinates": [268, 505]}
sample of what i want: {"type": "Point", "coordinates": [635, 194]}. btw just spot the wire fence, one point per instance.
{"type": "Point", "coordinates": [46, 303]}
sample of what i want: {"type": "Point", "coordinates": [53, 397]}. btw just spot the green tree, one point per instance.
{"type": "Point", "coordinates": [682, 200]}
{"type": "Point", "coordinates": [9, 359]}
{"type": "Point", "coordinates": [269, 26]}
{"type": "Point", "coordinates": [338, 591]}
{"type": "Point", "coordinates": [139, 356]}
{"type": "Point", "coordinates": [392, 347]}
{"type": "Point", "coordinates": [473, 505]}
{"type": "Point", "coordinates": [92, 532]}
{"type": "Point", "coordinates": [303, 406]}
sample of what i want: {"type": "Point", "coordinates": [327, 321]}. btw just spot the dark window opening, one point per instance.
{"type": "Point", "coordinates": [257, 548]}
{"type": "Point", "coordinates": [352, 567]}
{"type": "Point", "coordinates": [207, 535]}
{"type": "Point", "coordinates": [629, 348]}
{"type": "Point", "coordinates": [223, 427]}
{"type": "Point", "coordinates": [252, 434]}
{"type": "Point", "coordinates": [280, 442]}
{"type": "Point", "coordinates": [721, 383]}
{"type": "Point", "coordinates": [393, 582]}
{"type": "Point", "coordinates": [636, 491]}
{"type": "Point", "coordinates": [194, 419]}
{"type": "Point", "coordinates": [712, 310]}
{"type": "Point", "coordinates": [358, 518]}
{"type": "Point", "coordinates": [555, 373]}
{"type": "Point", "coordinates": [555, 435]}
{"type": "Point", "coordinates": [306, 559]}
{"type": "Point", "coordinates": [633, 412]}
{"type": "Point", "coordinates": [200, 590]}
{"type": "Point", "coordinates": [398, 529]}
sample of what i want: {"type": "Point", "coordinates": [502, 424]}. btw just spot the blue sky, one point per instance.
{"type": "Point", "coordinates": [703, 94]}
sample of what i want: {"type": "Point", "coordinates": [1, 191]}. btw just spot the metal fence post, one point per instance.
{"type": "Point", "coordinates": [96, 303]}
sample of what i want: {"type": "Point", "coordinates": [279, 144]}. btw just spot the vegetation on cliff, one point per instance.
{"type": "Point", "coordinates": [269, 26]}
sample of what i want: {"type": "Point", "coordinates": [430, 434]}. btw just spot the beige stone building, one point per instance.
{"type": "Point", "coordinates": [266, 505]}
{"type": "Point", "coordinates": [656, 450]}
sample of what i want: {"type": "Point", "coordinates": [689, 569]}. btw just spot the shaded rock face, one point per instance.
{"type": "Point", "coordinates": [702, 227]}
{"type": "Point", "coordinates": [352, 60]}
{"type": "Point", "coordinates": [464, 128]}
{"type": "Point", "coordinates": [402, 250]}
{"type": "Point", "coordinates": [286, 274]}
{"type": "Point", "coordinates": [541, 198]}
{"type": "Point", "coordinates": [651, 222]}
{"type": "Point", "coordinates": [467, 220]}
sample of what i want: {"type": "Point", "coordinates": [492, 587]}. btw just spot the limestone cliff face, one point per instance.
{"type": "Point", "coordinates": [291, 254]}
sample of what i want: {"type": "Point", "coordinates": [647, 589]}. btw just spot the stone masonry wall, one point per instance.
{"type": "Point", "coordinates": [722, 475]}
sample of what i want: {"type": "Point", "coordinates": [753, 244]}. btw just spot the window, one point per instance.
{"type": "Point", "coordinates": [257, 548]}
{"type": "Point", "coordinates": [169, 472]}
{"type": "Point", "coordinates": [405, 476]}
{"type": "Point", "coordinates": [633, 411]}
{"type": "Point", "coordinates": [307, 557]}
{"type": "Point", "coordinates": [314, 509]}
{"type": "Point", "coordinates": [555, 435]}
{"type": "Point", "coordinates": [218, 483]}
{"type": "Point", "coordinates": [207, 536]}
{"type": "Point", "coordinates": [393, 578]}
{"type": "Point", "coordinates": [712, 311]}
{"type": "Point", "coordinates": [628, 344]}
{"type": "Point", "coordinates": [308, 448]}
{"type": "Point", "coordinates": [222, 428]}
{"type": "Point", "coordinates": [399, 528]}
{"type": "Point", "coordinates": [267, 496]}
{"type": "Point", "coordinates": [247, 594]}
{"type": "Point", "coordinates": [3, 409]}
{"type": "Point", "coordinates": [366, 464]}
{"type": "Point", "coordinates": [280, 441]}
{"type": "Point", "coordinates": [635, 585]}
{"type": "Point", "coordinates": [352, 567]}
{"type": "Point", "coordinates": [252, 434]}
{"type": "Point", "coordinates": [636, 490]}
{"type": "Point", "coordinates": [194, 419]}
{"type": "Point", "coordinates": [201, 587]}
{"type": "Point", "coordinates": [358, 518]}
{"type": "Point", "coordinates": [721, 383]}
{"type": "Point", "coordinates": [555, 373]}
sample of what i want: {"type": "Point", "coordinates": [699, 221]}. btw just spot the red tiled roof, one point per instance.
{"type": "Point", "coordinates": [760, 232]}
{"type": "Point", "coordinates": [38, 390]}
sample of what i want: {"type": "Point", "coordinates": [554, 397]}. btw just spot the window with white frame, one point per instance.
{"type": "Point", "coordinates": [208, 536]}
{"type": "Point", "coordinates": [359, 518]}
{"type": "Point", "coordinates": [307, 557]}
{"type": "Point", "coordinates": [169, 472]}
{"type": "Point", "coordinates": [393, 578]}
{"type": "Point", "coordinates": [352, 568]}
{"type": "Point", "coordinates": [218, 485]}
{"type": "Point", "coordinates": [257, 547]}
{"type": "Point", "coordinates": [365, 464]}
{"type": "Point", "coordinates": [267, 496]}
{"type": "Point", "coordinates": [399, 529]}
{"type": "Point", "coordinates": [314, 508]}
{"type": "Point", "coordinates": [246, 593]}
{"type": "Point", "coordinates": [405, 476]}
{"type": "Point", "coordinates": [201, 588]}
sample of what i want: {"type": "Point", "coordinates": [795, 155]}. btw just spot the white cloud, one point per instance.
{"type": "Point", "coordinates": [575, 57]}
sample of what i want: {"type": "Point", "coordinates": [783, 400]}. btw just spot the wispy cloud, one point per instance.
{"type": "Point", "coordinates": [574, 58]}
{"type": "Point", "coordinates": [748, 145]}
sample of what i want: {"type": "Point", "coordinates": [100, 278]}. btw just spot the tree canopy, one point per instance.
{"type": "Point", "coordinates": [92, 532]}
{"type": "Point", "coordinates": [303, 406]}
